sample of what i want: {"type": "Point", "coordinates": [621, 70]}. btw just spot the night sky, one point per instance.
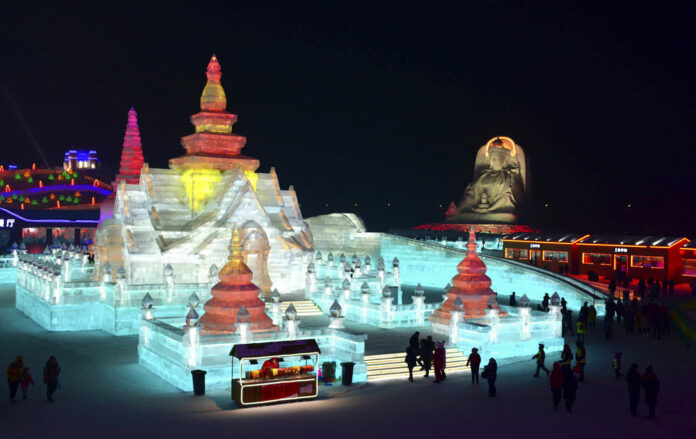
{"type": "Point", "coordinates": [377, 102]}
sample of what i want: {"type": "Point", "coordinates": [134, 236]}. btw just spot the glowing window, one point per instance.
{"type": "Point", "coordinates": [516, 253]}
{"type": "Point", "coordinates": [554, 256]}
{"type": "Point", "coordinates": [648, 262]}
{"type": "Point", "coordinates": [596, 259]}
{"type": "Point", "coordinates": [690, 267]}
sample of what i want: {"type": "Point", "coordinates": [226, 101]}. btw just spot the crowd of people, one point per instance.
{"type": "Point", "coordinates": [564, 378]}
{"type": "Point", "coordinates": [18, 376]}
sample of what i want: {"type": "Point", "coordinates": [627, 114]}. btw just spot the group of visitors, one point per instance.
{"type": "Point", "coordinates": [428, 354]}
{"type": "Point", "coordinates": [18, 376]}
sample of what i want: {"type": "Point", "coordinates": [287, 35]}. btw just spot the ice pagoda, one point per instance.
{"type": "Point", "coordinates": [183, 216]}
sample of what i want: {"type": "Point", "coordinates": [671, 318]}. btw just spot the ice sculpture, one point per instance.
{"type": "Point", "coordinates": [183, 216]}
{"type": "Point", "coordinates": [500, 191]}
{"type": "Point", "coordinates": [235, 298]}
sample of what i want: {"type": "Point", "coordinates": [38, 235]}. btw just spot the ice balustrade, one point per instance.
{"type": "Point", "coordinates": [57, 291]}
{"type": "Point", "coordinates": [364, 294]}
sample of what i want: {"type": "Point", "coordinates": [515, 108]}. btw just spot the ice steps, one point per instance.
{"type": "Point", "coordinates": [305, 308]}
{"type": "Point", "coordinates": [390, 366]}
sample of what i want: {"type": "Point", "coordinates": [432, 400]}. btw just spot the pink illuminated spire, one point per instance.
{"type": "Point", "coordinates": [132, 154]}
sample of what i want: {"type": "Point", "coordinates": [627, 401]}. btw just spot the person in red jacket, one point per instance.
{"type": "Point", "coordinates": [439, 362]}
{"type": "Point", "coordinates": [474, 361]}
{"type": "Point", "coordinates": [556, 381]}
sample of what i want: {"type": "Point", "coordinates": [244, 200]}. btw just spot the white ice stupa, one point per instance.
{"type": "Point", "coordinates": [184, 216]}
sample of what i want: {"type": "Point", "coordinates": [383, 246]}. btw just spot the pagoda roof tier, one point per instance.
{"type": "Point", "coordinates": [211, 143]}
{"type": "Point", "coordinates": [213, 161]}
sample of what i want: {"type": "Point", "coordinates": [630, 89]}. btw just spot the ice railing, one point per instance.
{"type": "Point", "coordinates": [365, 294]}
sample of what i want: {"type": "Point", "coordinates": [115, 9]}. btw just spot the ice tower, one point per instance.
{"type": "Point", "coordinates": [132, 154]}
{"type": "Point", "coordinates": [471, 286]}
{"type": "Point", "coordinates": [184, 216]}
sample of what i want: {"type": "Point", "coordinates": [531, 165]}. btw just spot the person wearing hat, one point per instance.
{"type": "Point", "coordinates": [474, 361]}
{"type": "Point", "coordinates": [540, 357]}
{"type": "Point", "coordinates": [14, 376]}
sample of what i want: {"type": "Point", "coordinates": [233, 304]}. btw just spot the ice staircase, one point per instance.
{"type": "Point", "coordinates": [389, 366]}
{"type": "Point", "coordinates": [305, 308]}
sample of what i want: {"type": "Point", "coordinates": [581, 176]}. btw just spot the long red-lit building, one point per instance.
{"type": "Point", "coordinates": [635, 257]}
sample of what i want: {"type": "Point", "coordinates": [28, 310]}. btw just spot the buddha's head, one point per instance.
{"type": "Point", "coordinates": [498, 158]}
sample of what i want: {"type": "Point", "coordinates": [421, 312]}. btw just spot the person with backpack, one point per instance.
{"type": "Point", "coordinates": [474, 361]}
{"type": "Point", "coordinates": [540, 357]}
{"type": "Point", "coordinates": [490, 374]}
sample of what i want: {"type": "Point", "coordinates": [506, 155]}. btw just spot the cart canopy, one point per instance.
{"type": "Point", "coordinates": [275, 348]}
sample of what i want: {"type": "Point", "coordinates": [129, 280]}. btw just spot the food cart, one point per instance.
{"type": "Point", "coordinates": [292, 376]}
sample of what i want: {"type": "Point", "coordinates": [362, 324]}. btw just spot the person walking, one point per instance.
{"type": "Point", "coordinates": [592, 317]}
{"type": "Point", "coordinates": [608, 326]}
{"type": "Point", "coordinates": [411, 360]}
{"type": "Point", "coordinates": [652, 387]}
{"type": "Point", "coordinates": [513, 300]}
{"type": "Point", "coordinates": [634, 381]}
{"type": "Point", "coordinates": [25, 381]}
{"type": "Point", "coordinates": [14, 376]}
{"type": "Point", "coordinates": [490, 374]}
{"type": "Point", "coordinates": [580, 360]}
{"type": "Point", "coordinates": [440, 361]}
{"type": "Point", "coordinates": [426, 356]}
{"type": "Point", "coordinates": [545, 301]}
{"type": "Point", "coordinates": [584, 314]}
{"type": "Point", "coordinates": [50, 377]}
{"type": "Point", "coordinates": [617, 365]}
{"type": "Point", "coordinates": [581, 329]}
{"type": "Point", "coordinates": [556, 381]}
{"type": "Point", "coordinates": [414, 344]}
{"type": "Point", "coordinates": [566, 358]}
{"type": "Point", "coordinates": [570, 388]}
{"type": "Point", "coordinates": [540, 357]}
{"type": "Point", "coordinates": [474, 361]}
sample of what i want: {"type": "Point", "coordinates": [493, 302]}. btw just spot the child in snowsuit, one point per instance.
{"type": "Point", "coordinates": [25, 381]}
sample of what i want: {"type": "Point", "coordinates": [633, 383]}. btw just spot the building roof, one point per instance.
{"type": "Point", "coordinates": [658, 241]}
{"type": "Point", "coordinates": [691, 244]}
{"type": "Point", "coordinates": [568, 238]}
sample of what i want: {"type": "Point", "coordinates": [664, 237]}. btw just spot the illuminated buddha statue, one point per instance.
{"type": "Point", "coordinates": [499, 189]}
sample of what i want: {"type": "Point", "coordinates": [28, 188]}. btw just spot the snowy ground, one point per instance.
{"type": "Point", "coordinates": [105, 392]}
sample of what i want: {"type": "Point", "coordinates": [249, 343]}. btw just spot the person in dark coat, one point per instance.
{"type": "Point", "coordinates": [411, 360]}
{"type": "Point", "coordinates": [652, 387]}
{"type": "Point", "coordinates": [440, 362]}
{"type": "Point", "coordinates": [584, 315]}
{"type": "Point", "coordinates": [50, 377]}
{"type": "Point", "coordinates": [474, 361]}
{"type": "Point", "coordinates": [490, 374]}
{"type": "Point", "coordinates": [540, 358]}
{"type": "Point", "coordinates": [414, 343]}
{"type": "Point", "coordinates": [426, 356]}
{"type": "Point", "coordinates": [513, 299]}
{"type": "Point", "coordinates": [556, 381]}
{"type": "Point", "coordinates": [570, 387]}
{"type": "Point", "coordinates": [633, 379]}
{"type": "Point", "coordinates": [580, 360]}
{"type": "Point", "coordinates": [545, 301]}
{"type": "Point", "coordinates": [566, 358]}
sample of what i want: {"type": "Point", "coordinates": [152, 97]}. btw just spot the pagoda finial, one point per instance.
{"type": "Point", "coordinates": [235, 247]}
{"type": "Point", "coordinates": [213, 97]}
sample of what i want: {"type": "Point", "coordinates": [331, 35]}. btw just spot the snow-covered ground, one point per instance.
{"type": "Point", "coordinates": [105, 393]}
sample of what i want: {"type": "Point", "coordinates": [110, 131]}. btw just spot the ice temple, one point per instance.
{"type": "Point", "coordinates": [169, 232]}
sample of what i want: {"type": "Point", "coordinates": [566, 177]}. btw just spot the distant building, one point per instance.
{"type": "Point", "coordinates": [81, 159]}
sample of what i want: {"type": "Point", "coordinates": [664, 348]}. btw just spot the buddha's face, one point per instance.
{"type": "Point", "coordinates": [497, 161]}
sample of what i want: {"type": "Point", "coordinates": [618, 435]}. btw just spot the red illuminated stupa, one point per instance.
{"type": "Point", "coordinates": [471, 285]}
{"type": "Point", "coordinates": [234, 290]}
{"type": "Point", "coordinates": [213, 145]}
{"type": "Point", "coordinates": [132, 153]}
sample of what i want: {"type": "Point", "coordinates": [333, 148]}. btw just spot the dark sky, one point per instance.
{"type": "Point", "coordinates": [376, 102]}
